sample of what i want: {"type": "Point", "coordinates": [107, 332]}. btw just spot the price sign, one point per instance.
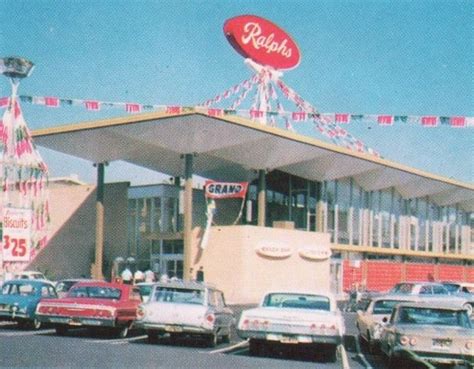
{"type": "Point", "coordinates": [16, 240]}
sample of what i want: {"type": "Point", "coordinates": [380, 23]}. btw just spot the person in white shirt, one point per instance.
{"type": "Point", "coordinates": [127, 276]}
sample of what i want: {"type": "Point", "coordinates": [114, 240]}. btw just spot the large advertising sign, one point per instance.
{"type": "Point", "coordinates": [16, 239]}
{"type": "Point", "coordinates": [225, 190]}
{"type": "Point", "coordinates": [262, 41]}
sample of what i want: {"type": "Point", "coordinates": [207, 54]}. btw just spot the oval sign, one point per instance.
{"type": "Point", "coordinates": [274, 250]}
{"type": "Point", "coordinates": [314, 253]}
{"type": "Point", "coordinates": [262, 41]}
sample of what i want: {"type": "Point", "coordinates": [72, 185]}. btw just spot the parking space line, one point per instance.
{"type": "Point", "coordinates": [361, 355]}
{"type": "Point", "coordinates": [229, 348]}
{"type": "Point", "coordinates": [344, 358]}
{"type": "Point", "coordinates": [28, 333]}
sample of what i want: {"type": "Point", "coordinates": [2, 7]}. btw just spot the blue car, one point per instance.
{"type": "Point", "coordinates": [19, 298]}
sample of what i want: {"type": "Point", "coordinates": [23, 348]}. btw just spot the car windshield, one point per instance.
{"type": "Point", "coordinates": [451, 287]}
{"type": "Point", "coordinates": [96, 292]}
{"type": "Point", "coordinates": [384, 306]}
{"type": "Point", "coordinates": [299, 301]}
{"type": "Point", "coordinates": [179, 295]}
{"type": "Point", "coordinates": [402, 288]}
{"type": "Point", "coordinates": [434, 316]}
{"type": "Point", "coordinates": [18, 289]}
{"type": "Point", "coordinates": [65, 286]}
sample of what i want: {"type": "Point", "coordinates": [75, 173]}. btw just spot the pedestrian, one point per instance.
{"type": "Point", "coordinates": [127, 276]}
{"type": "Point", "coordinates": [138, 277]}
{"type": "Point", "coordinates": [149, 276]}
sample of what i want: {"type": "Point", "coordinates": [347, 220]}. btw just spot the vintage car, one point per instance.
{"type": "Point", "coordinates": [293, 318]}
{"type": "Point", "coordinates": [433, 291]}
{"type": "Point", "coordinates": [190, 308]}
{"type": "Point", "coordinates": [459, 287]}
{"type": "Point", "coordinates": [92, 304]}
{"type": "Point", "coordinates": [440, 333]}
{"type": "Point", "coordinates": [369, 321]}
{"type": "Point", "coordinates": [64, 285]}
{"type": "Point", "coordinates": [19, 299]}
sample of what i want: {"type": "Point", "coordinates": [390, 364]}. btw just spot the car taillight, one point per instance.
{"type": "Point", "coordinates": [210, 318]}
{"type": "Point", "coordinates": [245, 323]}
{"type": "Point", "coordinates": [413, 341]}
{"type": "Point", "coordinates": [140, 313]}
{"type": "Point", "coordinates": [322, 326]}
{"type": "Point", "coordinates": [469, 345]}
{"type": "Point", "coordinates": [404, 340]}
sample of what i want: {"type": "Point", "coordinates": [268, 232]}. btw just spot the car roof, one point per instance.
{"type": "Point", "coordinates": [185, 284]}
{"type": "Point", "coordinates": [92, 283]}
{"type": "Point", "coordinates": [433, 304]}
{"type": "Point", "coordinates": [396, 297]}
{"type": "Point", "coordinates": [33, 282]}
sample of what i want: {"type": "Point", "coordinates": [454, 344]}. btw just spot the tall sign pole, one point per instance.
{"type": "Point", "coordinates": [23, 176]}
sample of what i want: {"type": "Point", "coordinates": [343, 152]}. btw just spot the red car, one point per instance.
{"type": "Point", "coordinates": [92, 304]}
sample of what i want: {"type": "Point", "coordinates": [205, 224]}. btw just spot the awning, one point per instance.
{"type": "Point", "coordinates": [233, 148]}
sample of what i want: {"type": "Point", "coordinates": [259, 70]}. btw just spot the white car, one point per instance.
{"type": "Point", "coordinates": [182, 308]}
{"type": "Point", "coordinates": [370, 323]}
{"type": "Point", "coordinates": [296, 318]}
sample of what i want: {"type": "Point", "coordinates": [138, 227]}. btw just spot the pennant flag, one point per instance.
{"type": "Point", "coordinates": [133, 108]}
{"type": "Point", "coordinates": [385, 120]}
{"type": "Point", "coordinates": [215, 112]}
{"type": "Point", "coordinates": [401, 118]}
{"type": "Point", "coordinates": [256, 113]}
{"type": "Point", "coordinates": [51, 102]}
{"type": "Point", "coordinates": [342, 118]}
{"type": "Point", "coordinates": [429, 121]}
{"type": "Point", "coordinates": [298, 116]}
{"type": "Point", "coordinates": [173, 110]}
{"type": "Point", "coordinates": [4, 102]}
{"type": "Point", "coordinates": [458, 121]}
{"type": "Point", "coordinates": [92, 105]}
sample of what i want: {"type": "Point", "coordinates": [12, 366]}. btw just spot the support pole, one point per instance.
{"type": "Point", "coordinates": [261, 198]}
{"type": "Point", "coordinates": [99, 225]}
{"type": "Point", "coordinates": [188, 216]}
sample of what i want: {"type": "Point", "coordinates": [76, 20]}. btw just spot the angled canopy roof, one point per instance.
{"type": "Point", "coordinates": [233, 148]}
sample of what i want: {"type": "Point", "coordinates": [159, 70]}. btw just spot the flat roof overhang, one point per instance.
{"type": "Point", "coordinates": [233, 148]}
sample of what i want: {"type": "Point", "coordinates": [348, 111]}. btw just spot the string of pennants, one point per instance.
{"type": "Point", "coordinates": [295, 116]}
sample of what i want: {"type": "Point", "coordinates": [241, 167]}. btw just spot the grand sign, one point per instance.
{"type": "Point", "coordinates": [262, 41]}
{"type": "Point", "coordinates": [225, 190]}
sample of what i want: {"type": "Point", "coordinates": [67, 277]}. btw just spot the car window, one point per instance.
{"type": "Point", "coordinates": [44, 291]}
{"type": "Point", "coordinates": [403, 288]}
{"type": "Point", "coordinates": [52, 291]}
{"type": "Point", "coordinates": [179, 295]}
{"type": "Point", "coordinates": [425, 290]}
{"type": "Point", "coordinates": [26, 289]}
{"type": "Point", "coordinates": [96, 292]}
{"type": "Point", "coordinates": [298, 301]}
{"type": "Point", "coordinates": [440, 290]}
{"type": "Point", "coordinates": [434, 316]}
{"type": "Point", "coordinates": [384, 306]}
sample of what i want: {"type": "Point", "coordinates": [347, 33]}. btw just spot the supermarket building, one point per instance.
{"type": "Point", "coordinates": [316, 215]}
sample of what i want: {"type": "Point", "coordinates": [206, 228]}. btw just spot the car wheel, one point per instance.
{"type": "Point", "coordinates": [468, 307]}
{"type": "Point", "coordinates": [331, 354]}
{"type": "Point", "coordinates": [61, 330]}
{"type": "Point", "coordinates": [256, 348]}
{"type": "Point", "coordinates": [212, 340]}
{"type": "Point", "coordinates": [122, 332]}
{"type": "Point", "coordinates": [152, 336]}
{"type": "Point", "coordinates": [35, 324]}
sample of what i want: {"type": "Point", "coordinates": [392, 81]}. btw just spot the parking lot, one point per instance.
{"type": "Point", "coordinates": [81, 348]}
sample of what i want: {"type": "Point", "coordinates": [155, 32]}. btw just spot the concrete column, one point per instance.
{"type": "Point", "coordinates": [262, 198]}
{"type": "Point", "coordinates": [99, 225]}
{"type": "Point", "coordinates": [188, 216]}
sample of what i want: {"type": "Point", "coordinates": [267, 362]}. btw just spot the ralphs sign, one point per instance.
{"type": "Point", "coordinates": [262, 41]}
{"type": "Point", "coordinates": [225, 190]}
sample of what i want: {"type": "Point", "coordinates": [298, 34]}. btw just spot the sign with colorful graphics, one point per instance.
{"type": "Point", "coordinates": [262, 41]}
{"type": "Point", "coordinates": [16, 239]}
{"type": "Point", "coordinates": [225, 190]}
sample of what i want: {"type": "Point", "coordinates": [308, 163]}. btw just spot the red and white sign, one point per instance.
{"type": "Point", "coordinates": [16, 240]}
{"type": "Point", "coordinates": [262, 41]}
{"type": "Point", "coordinates": [225, 190]}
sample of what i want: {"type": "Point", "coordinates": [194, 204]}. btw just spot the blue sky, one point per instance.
{"type": "Point", "coordinates": [367, 57]}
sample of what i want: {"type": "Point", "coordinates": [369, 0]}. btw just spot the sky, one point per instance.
{"type": "Point", "coordinates": [359, 57]}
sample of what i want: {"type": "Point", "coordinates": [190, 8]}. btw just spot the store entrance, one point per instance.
{"type": "Point", "coordinates": [167, 257]}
